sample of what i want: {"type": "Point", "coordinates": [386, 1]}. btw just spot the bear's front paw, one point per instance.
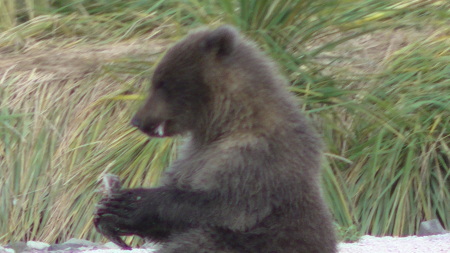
{"type": "Point", "coordinates": [118, 215]}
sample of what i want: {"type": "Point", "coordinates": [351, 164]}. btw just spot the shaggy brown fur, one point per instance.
{"type": "Point", "coordinates": [247, 179]}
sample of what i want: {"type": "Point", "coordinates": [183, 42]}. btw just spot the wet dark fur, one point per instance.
{"type": "Point", "coordinates": [247, 178]}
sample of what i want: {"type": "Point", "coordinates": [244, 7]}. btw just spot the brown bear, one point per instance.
{"type": "Point", "coordinates": [247, 177]}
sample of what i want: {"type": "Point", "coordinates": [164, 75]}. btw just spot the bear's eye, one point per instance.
{"type": "Point", "coordinates": [160, 84]}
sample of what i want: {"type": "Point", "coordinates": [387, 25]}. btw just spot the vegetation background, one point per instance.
{"type": "Point", "coordinates": [373, 74]}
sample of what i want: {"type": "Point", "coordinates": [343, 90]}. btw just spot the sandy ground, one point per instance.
{"type": "Point", "coordinates": [412, 244]}
{"type": "Point", "coordinates": [370, 244]}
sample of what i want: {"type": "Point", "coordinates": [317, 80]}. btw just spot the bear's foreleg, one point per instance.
{"type": "Point", "coordinates": [153, 213]}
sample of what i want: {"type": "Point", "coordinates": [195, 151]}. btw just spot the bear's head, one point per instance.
{"type": "Point", "coordinates": [180, 95]}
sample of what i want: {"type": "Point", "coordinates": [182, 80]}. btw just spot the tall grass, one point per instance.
{"type": "Point", "coordinates": [387, 130]}
{"type": "Point", "coordinates": [63, 135]}
{"type": "Point", "coordinates": [401, 150]}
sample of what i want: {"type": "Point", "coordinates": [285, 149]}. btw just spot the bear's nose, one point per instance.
{"type": "Point", "coordinates": [136, 122]}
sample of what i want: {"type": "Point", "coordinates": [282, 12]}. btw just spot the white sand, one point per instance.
{"type": "Point", "coordinates": [411, 244]}
{"type": "Point", "coordinates": [368, 244]}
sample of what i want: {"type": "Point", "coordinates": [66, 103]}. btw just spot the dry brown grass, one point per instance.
{"type": "Point", "coordinates": [368, 53]}
{"type": "Point", "coordinates": [75, 61]}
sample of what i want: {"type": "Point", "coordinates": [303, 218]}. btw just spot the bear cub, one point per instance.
{"type": "Point", "coordinates": [247, 177]}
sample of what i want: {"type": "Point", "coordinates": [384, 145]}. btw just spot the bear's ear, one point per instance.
{"type": "Point", "coordinates": [222, 41]}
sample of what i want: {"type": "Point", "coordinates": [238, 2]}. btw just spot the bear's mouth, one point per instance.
{"type": "Point", "coordinates": [160, 130]}
{"type": "Point", "coordinates": [157, 129]}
